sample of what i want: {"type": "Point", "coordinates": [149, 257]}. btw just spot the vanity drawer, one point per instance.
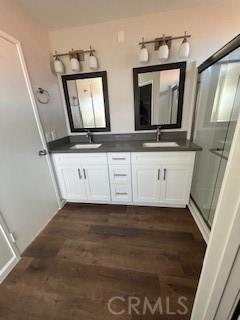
{"type": "Point", "coordinates": [120, 174]}
{"type": "Point", "coordinates": [162, 158]}
{"type": "Point", "coordinates": [121, 193]}
{"type": "Point", "coordinates": [80, 158]}
{"type": "Point", "coordinates": [119, 158]}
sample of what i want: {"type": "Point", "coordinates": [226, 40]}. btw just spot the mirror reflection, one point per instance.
{"type": "Point", "coordinates": [158, 96]}
{"type": "Point", "coordinates": [87, 101]}
{"type": "Point", "coordinates": [225, 87]}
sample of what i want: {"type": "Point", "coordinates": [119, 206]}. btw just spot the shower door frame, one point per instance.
{"type": "Point", "coordinates": [232, 45]}
{"type": "Point", "coordinates": [224, 240]}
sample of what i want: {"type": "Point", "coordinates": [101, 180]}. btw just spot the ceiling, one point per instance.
{"type": "Point", "coordinates": [56, 14]}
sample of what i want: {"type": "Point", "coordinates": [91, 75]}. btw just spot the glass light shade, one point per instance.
{"type": "Point", "coordinates": [184, 49]}
{"type": "Point", "coordinates": [143, 55]}
{"type": "Point", "coordinates": [58, 66]}
{"type": "Point", "coordinates": [163, 52]}
{"type": "Point", "coordinates": [75, 64]}
{"type": "Point", "coordinates": [93, 63]}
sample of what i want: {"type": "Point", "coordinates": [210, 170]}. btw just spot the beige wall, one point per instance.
{"type": "Point", "coordinates": [34, 39]}
{"type": "Point", "coordinates": [211, 27]}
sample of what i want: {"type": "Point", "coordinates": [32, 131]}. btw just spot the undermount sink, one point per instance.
{"type": "Point", "coordinates": [86, 146]}
{"type": "Point", "coordinates": [160, 144]}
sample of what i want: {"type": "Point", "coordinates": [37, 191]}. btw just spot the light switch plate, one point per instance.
{"type": "Point", "coordinates": [121, 36]}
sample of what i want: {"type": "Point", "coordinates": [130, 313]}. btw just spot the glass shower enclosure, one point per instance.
{"type": "Point", "coordinates": [216, 114]}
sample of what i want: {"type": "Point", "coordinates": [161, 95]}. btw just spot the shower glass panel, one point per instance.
{"type": "Point", "coordinates": [217, 110]}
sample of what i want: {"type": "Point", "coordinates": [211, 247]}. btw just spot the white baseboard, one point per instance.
{"type": "Point", "coordinates": [203, 228]}
{"type": "Point", "coordinates": [62, 204]}
{"type": "Point", "coordinates": [8, 268]}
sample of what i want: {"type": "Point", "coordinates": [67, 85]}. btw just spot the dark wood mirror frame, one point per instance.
{"type": "Point", "coordinates": [100, 74]}
{"type": "Point", "coordinates": [169, 66]}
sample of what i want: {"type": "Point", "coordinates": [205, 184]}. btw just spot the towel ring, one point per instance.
{"type": "Point", "coordinates": [42, 96]}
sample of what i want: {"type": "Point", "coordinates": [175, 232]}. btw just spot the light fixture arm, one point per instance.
{"type": "Point", "coordinates": [167, 39]}
{"type": "Point", "coordinates": [74, 53]}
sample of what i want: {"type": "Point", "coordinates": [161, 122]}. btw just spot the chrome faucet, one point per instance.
{"type": "Point", "coordinates": [158, 133]}
{"type": "Point", "coordinates": [89, 136]}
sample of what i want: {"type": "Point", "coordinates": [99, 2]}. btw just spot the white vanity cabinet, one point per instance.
{"type": "Point", "coordinates": [162, 178]}
{"type": "Point", "coordinates": [147, 178]}
{"type": "Point", "coordinates": [83, 177]}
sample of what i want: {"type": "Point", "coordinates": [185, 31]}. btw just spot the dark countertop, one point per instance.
{"type": "Point", "coordinates": [123, 146]}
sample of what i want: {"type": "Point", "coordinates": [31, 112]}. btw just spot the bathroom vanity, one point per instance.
{"type": "Point", "coordinates": [125, 172]}
{"type": "Point", "coordinates": [138, 168]}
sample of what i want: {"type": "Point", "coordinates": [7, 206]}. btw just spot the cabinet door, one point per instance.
{"type": "Point", "coordinates": [97, 182]}
{"type": "Point", "coordinates": [72, 183]}
{"type": "Point", "coordinates": [176, 183]}
{"type": "Point", "coordinates": [146, 183]}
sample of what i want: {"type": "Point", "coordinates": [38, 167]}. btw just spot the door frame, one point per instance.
{"type": "Point", "coordinates": [16, 254]}
{"type": "Point", "coordinates": [18, 45]}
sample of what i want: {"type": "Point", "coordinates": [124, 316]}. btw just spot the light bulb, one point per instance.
{"type": "Point", "coordinates": [143, 54]}
{"type": "Point", "coordinates": [58, 65]}
{"type": "Point", "coordinates": [92, 61]}
{"type": "Point", "coordinates": [75, 64]}
{"type": "Point", "coordinates": [184, 49]}
{"type": "Point", "coordinates": [163, 51]}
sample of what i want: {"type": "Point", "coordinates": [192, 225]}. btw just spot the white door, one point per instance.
{"type": "Point", "coordinates": [72, 182]}
{"type": "Point", "coordinates": [146, 183]}
{"type": "Point", "coordinates": [97, 181]}
{"type": "Point", "coordinates": [176, 183]}
{"type": "Point", "coordinates": [28, 196]}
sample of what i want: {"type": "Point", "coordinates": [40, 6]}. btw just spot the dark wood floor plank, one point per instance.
{"type": "Point", "coordinates": [120, 257]}
{"type": "Point", "coordinates": [90, 253]}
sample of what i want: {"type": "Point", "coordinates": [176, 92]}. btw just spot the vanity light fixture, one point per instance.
{"type": "Point", "coordinates": [163, 51]}
{"type": "Point", "coordinates": [163, 45]}
{"type": "Point", "coordinates": [76, 56]}
{"type": "Point", "coordinates": [58, 64]}
{"type": "Point", "coordinates": [92, 61]}
{"type": "Point", "coordinates": [143, 54]}
{"type": "Point", "coordinates": [184, 49]}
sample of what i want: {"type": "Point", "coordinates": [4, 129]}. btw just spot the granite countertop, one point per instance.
{"type": "Point", "coordinates": [64, 146]}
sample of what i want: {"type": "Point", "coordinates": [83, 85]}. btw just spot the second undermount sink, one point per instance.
{"type": "Point", "coordinates": [86, 146]}
{"type": "Point", "coordinates": [160, 144]}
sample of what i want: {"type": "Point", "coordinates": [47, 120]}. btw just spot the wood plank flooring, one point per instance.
{"type": "Point", "coordinates": [90, 253]}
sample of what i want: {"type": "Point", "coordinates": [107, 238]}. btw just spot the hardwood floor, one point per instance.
{"type": "Point", "coordinates": [90, 253]}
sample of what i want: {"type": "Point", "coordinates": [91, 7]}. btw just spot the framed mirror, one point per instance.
{"type": "Point", "coordinates": [86, 97]}
{"type": "Point", "coordinates": [158, 96]}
